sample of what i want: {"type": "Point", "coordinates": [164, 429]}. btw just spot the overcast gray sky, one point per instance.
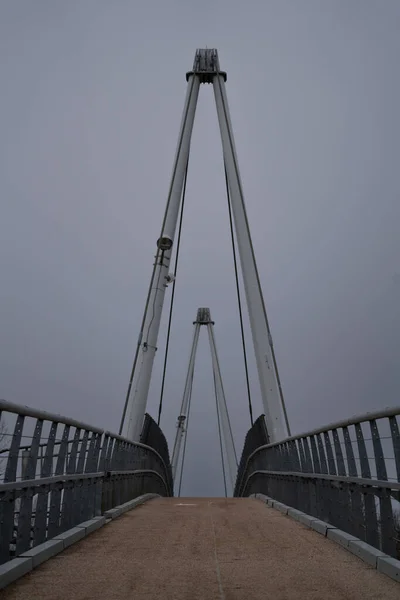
{"type": "Point", "coordinates": [91, 101]}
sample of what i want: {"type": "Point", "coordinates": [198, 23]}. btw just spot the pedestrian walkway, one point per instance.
{"type": "Point", "coordinates": [204, 549]}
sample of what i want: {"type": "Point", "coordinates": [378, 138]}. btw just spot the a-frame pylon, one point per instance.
{"type": "Point", "coordinates": [206, 69]}
{"type": "Point", "coordinates": [203, 319]}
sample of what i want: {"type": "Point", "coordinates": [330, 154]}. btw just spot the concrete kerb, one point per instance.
{"type": "Point", "coordinates": [71, 536]}
{"type": "Point", "coordinates": [43, 552]}
{"type": "Point", "coordinates": [370, 555]}
{"type": "Point", "coordinates": [321, 526]}
{"type": "Point", "coordinates": [269, 501]}
{"type": "Point", "coordinates": [299, 516]}
{"type": "Point", "coordinates": [92, 524]}
{"type": "Point", "coordinates": [113, 513]}
{"type": "Point", "coordinates": [14, 569]}
{"type": "Point", "coordinates": [389, 566]}
{"type": "Point", "coordinates": [18, 567]}
{"type": "Point", "coordinates": [281, 507]}
{"type": "Point", "coordinates": [341, 537]}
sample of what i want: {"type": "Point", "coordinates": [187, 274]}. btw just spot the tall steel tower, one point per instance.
{"type": "Point", "coordinates": [206, 69]}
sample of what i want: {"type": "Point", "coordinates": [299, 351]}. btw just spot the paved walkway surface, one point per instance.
{"type": "Point", "coordinates": [204, 549]}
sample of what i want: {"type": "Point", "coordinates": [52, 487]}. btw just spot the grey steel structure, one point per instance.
{"type": "Point", "coordinates": [347, 474]}
{"type": "Point", "coordinates": [56, 472]}
{"type": "Point", "coordinates": [206, 69]}
{"type": "Point", "coordinates": [67, 473]}
{"type": "Point", "coordinates": [203, 319]}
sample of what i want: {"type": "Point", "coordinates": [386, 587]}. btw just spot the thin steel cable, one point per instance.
{"type": "Point", "coordinates": [172, 295]}
{"type": "Point", "coordinates": [220, 436]}
{"type": "Point", "coordinates": [238, 297]}
{"type": "Point", "coordinates": [186, 432]}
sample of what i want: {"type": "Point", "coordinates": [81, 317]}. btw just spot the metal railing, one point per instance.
{"type": "Point", "coordinates": [153, 436]}
{"type": "Point", "coordinates": [69, 472]}
{"type": "Point", "coordinates": [347, 474]}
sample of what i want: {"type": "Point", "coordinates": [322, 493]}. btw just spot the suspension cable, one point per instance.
{"type": "Point", "coordinates": [238, 297]}
{"type": "Point", "coordinates": [172, 295]}
{"type": "Point", "coordinates": [186, 432]}
{"type": "Point", "coordinates": [220, 436]}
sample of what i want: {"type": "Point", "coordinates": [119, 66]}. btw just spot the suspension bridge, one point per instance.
{"type": "Point", "coordinates": [87, 513]}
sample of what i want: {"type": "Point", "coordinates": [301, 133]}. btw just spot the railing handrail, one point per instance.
{"type": "Point", "coordinates": [43, 415]}
{"type": "Point", "coordinates": [40, 481]}
{"type": "Point", "coordinates": [369, 416]}
{"type": "Point", "coordinates": [361, 481]}
{"type": "Point", "coordinates": [23, 484]}
{"type": "Point", "coordinates": [27, 411]}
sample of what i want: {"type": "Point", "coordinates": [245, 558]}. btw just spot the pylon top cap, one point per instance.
{"type": "Point", "coordinates": [206, 65]}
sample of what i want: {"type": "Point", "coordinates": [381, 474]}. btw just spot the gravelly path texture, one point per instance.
{"type": "Point", "coordinates": [205, 549]}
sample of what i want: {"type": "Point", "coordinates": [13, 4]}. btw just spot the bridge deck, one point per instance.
{"type": "Point", "coordinates": [188, 549]}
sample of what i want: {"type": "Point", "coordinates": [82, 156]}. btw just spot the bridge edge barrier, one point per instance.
{"type": "Point", "coordinates": [16, 568]}
{"type": "Point", "coordinates": [380, 561]}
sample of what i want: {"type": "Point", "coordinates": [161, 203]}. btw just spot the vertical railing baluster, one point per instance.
{"type": "Point", "coordinates": [387, 525]}
{"type": "Point", "coordinates": [322, 457]}
{"type": "Point", "coordinates": [351, 462]}
{"type": "Point", "coordinates": [317, 465]}
{"type": "Point", "coordinates": [103, 452]}
{"type": "Point", "coordinates": [355, 523]}
{"type": "Point", "coordinates": [82, 452]}
{"type": "Point", "coordinates": [394, 430]}
{"type": "Point", "coordinates": [93, 483]}
{"type": "Point", "coordinates": [387, 532]}
{"type": "Point", "coordinates": [303, 464]}
{"type": "Point", "coordinates": [79, 487]}
{"type": "Point", "coordinates": [329, 453]}
{"type": "Point", "coordinates": [85, 482]}
{"type": "Point", "coordinates": [339, 454]}
{"type": "Point", "coordinates": [73, 454]}
{"type": "Point", "coordinates": [371, 521]}
{"type": "Point", "coordinates": [56, 493]}
{"type": "Point", "coordinates": [307, 454]}
{"type": "Point", "coordinates": [13, 454]}
{"type": "Point", "coordinates": [67, 517]}
{"type": "Point", "coordinates": [282, 459]}
{"type": "Point", "coordinates": [108, 482]}
{"type": "Point", "coordinates": [343, 491]}
{"type": "Point", "coordinates": [7, 508]}
{"type": "Point", "coordinates": [378, 451]}
{"type": "Point", "coordinates": [101, 483]}
{"type": "Point", "coordinates": [23, 541]}
{"type": "Point", "coordinates": [294, 456]}
{"type": "Point", "coordinates": [40, 527]}
{"type": "Point", "coordinates": [323, 507]}
{"type": "Point", "coordinates": [108, 465]}
{"type": "Point", "coordinates": [86, 485]}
